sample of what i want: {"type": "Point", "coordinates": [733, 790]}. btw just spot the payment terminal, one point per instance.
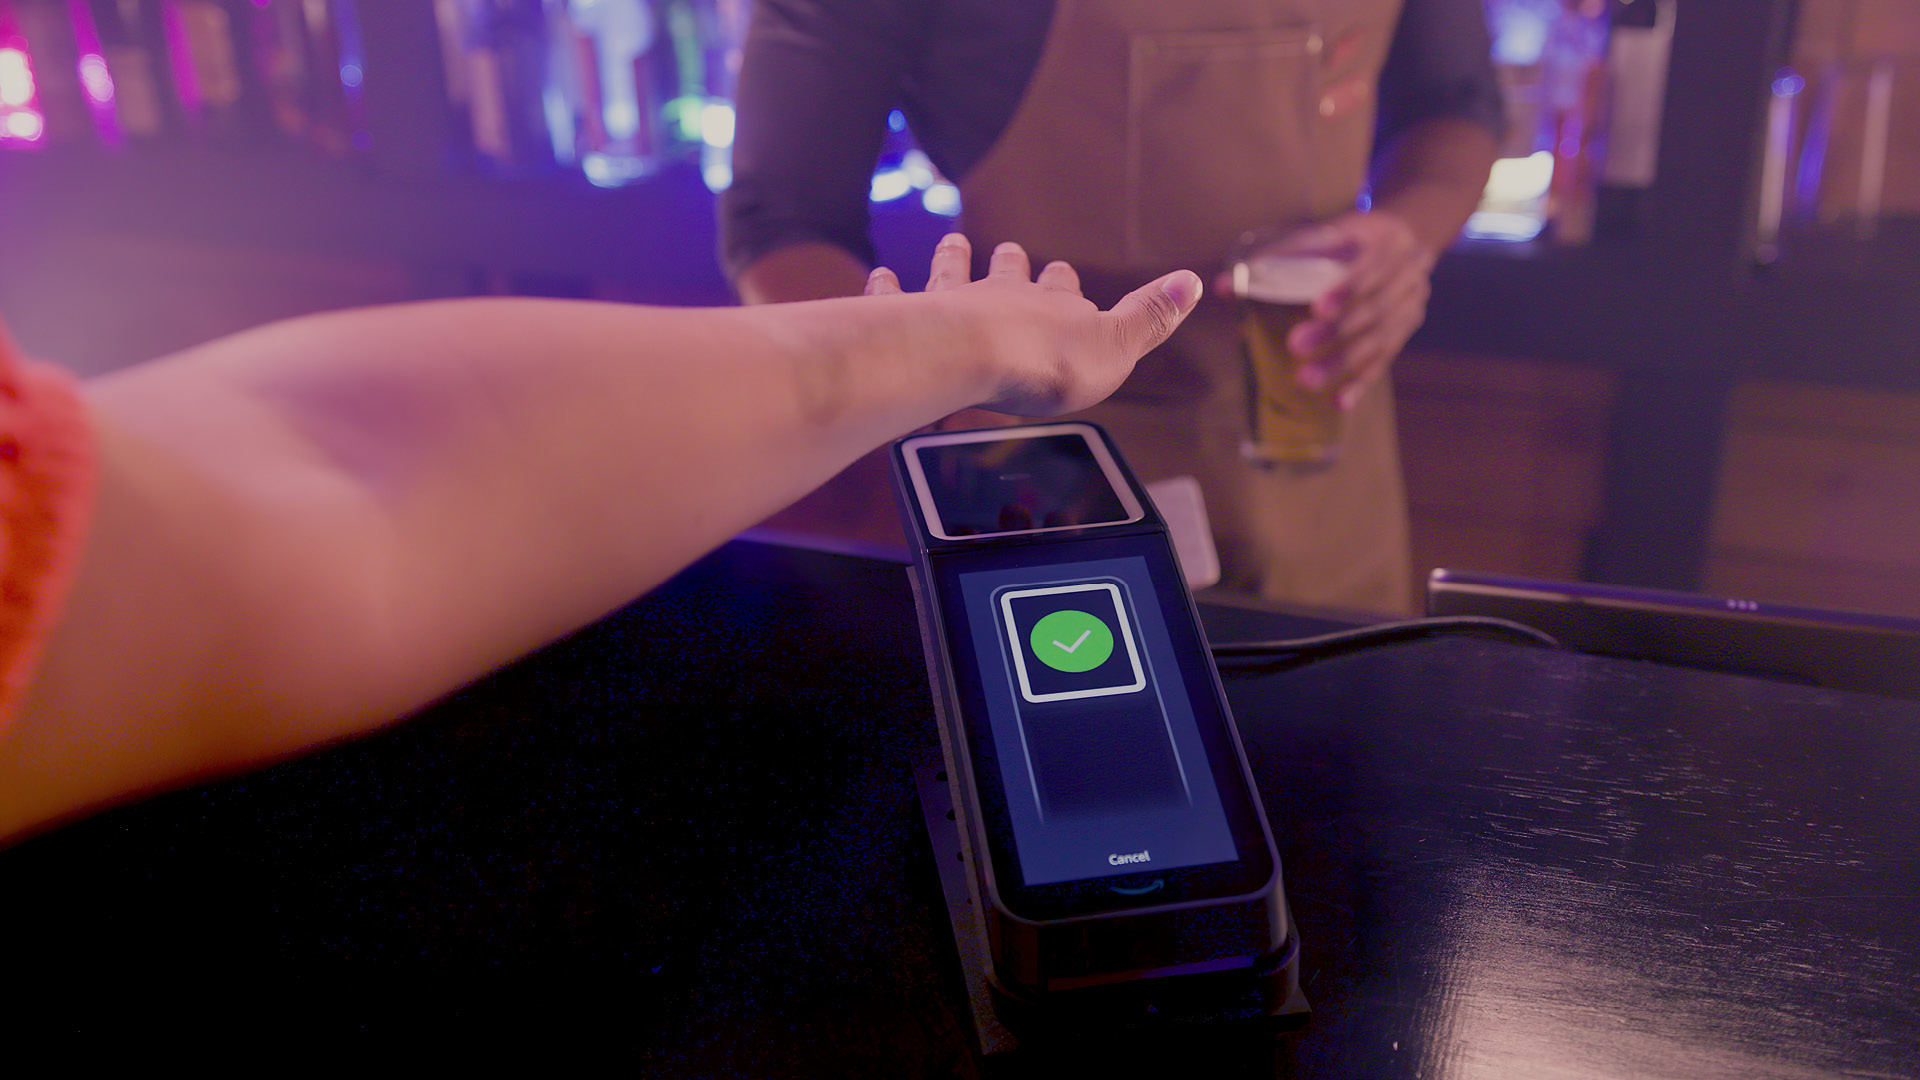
{"type": "Point", "coordinates": [1119, 852]}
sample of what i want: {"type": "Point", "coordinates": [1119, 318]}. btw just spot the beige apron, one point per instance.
{"type": "Point", "coordinates": [1152, 134]}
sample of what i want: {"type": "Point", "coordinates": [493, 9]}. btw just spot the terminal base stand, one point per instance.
{"type": "Point", "coordinates": [963, 905]}
{"type": "Point", "coordinates": [1238, 1036]}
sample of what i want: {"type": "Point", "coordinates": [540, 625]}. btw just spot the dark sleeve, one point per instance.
{"type": "Point", "coordinates": [817, 80]}
{"type": "Point", "coordinates": [1440, 64]}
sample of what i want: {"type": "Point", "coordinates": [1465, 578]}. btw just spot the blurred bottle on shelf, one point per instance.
{"type": "Point", "coordinates": [687, 84]}
{"type": "Point", "coordinates": [212, 66]}
{"type": "Point", "coordinates": [450, 21]}
{"type": "Point", "coordinates": [726, 35]}
{"type": "Point", "coordinates": [1514, 204]}
{"type": "Point", "coordinates": [298, 68]}
{"type": "Point", "coordinates": [694, 69]}
{"type": "Point", "coordinates": [276, 34]}
{"type": "Point", "coordinates": [335, 104]}
{"type": "Point", "coordinates": [498, 66]}
{"type": "Point", "coordinates": [1573, 113]}
{"type": "Point", "coordinates": [305, 59]}
{"type": "Point", "coordinates": [132, 88]}
{"type": "Point", "coordinates": [1639, 47]}
{"type": "Point", "coordinates": [622, 122]}
{"type": "Point", "coordinates": [1553, 58]}
{"type": "Point", "coordinates": [570, 85]}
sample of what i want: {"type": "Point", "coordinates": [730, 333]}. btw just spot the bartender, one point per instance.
{"type": "Point", "coordinates": [1132, 137]}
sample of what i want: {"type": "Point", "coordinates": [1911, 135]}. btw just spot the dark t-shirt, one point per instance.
{"type": "Point", "coordinates": [821, 76]}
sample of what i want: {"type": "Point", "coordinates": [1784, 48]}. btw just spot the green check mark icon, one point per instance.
{"type": "Point", "coordinates": [1071, 641]}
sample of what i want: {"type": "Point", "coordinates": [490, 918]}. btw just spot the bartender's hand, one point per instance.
{"type": "Point", "coordinates": [1361, 324]}
{"type": "Point", "coordinates": [1055, 351]}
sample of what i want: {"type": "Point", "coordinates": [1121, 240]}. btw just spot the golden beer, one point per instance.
{"type": "Point", "coordinates": [1288, 422]}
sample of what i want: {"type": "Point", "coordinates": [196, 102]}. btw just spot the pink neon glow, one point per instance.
{"type": "Point", "coordinates": [16, 77]}
{"type": "Point", "coordinates": [95, 79]}
{"type": "Point", "coordinates": [25, 125]}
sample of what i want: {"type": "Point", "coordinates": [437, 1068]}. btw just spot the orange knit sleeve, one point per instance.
{"type": "Point", "coordinates": [46, 495]}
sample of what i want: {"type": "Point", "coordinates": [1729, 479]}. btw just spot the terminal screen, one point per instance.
{"type": "Point", "coordinates": [1101, 760]}
{"type": "Point", "coordinates": [989, 487]}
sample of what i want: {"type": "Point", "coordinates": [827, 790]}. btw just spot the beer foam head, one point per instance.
{"type": "Point", "coordinates": [1279, 278]}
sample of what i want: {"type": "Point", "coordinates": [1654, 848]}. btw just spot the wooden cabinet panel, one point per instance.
{"type": "Point", "coordinates": [1815, 582]}
{"type": "Point", "coordinates": [1828, 29]}
{"type": "Point", "coordinates": [1503, 460]}
{"type": "Point", "coordinates": [1547, 550]}
{"type": "Point", "coordinates": [1819, 498]}
{"type": "Point", "coordinates": [1807, 493]}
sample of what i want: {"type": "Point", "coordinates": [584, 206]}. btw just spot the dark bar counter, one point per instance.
{"type": "Point", "coordinates": [686, 839]}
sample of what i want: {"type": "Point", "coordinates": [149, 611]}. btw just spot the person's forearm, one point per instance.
{"type": "Point", "coordinates": [566, 455]}
{"type": "Point", "coordinates": [808, 271]}
{"type": "Point", "coordinates": [1432, 175]}
{"type": "Point", "coordinates": [289, 552]}
{"type": "Point", "coordinates": [309, 530]}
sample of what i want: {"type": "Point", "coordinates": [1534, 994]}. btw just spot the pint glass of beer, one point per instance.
{"type": "Point", "coordinates": [1277, 279]}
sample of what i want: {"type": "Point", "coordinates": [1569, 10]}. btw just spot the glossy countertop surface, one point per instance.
{"type": "Point", "coordinates": [687, 837]}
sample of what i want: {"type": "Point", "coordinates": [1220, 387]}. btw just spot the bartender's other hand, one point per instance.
{"type": "Point", "coordinates": [1053, 350]}
{"type": "Point", "coordinates": [1361, 324]}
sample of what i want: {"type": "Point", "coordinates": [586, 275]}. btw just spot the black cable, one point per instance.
{"type": "Point", "coordinates": [1306, 649]}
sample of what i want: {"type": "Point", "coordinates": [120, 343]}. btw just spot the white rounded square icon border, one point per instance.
{"type": "Point", "coordinates": [1020, 653]}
